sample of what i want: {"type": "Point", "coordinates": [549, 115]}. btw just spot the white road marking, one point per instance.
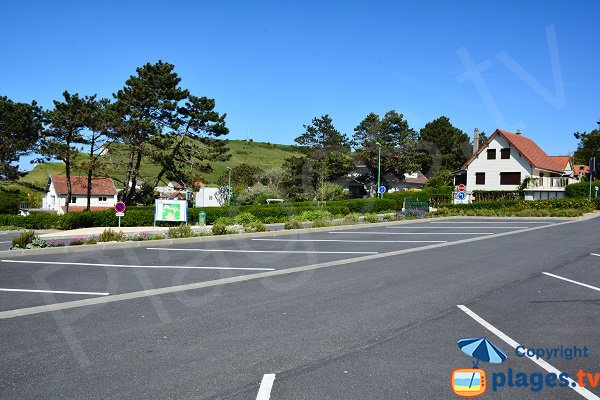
{"type": "Point", "coordinates": [457, 227]}
{"type": "Point", "coordinates": [8, 241]}
{"type": "Point", "coordinates": [572, 281]}
{"type": "Point", "coordinates": [493, 222]}
{"type": "Point", "coordinates": [594, 254]}
{"type": "Point", "coordinates": [264, 392]}
{"type": "Point", "coordinates": [53, 291]}
{"type": "Point", "coordinates": [263, 251]}
{"type": "Point", "coordinates": [418, 233]}
{"type": "Point", "coordinates": [541, 362]}
{"type": "Point", "coordinates": [132, 266]}
{"type": "Point", "coordinates": [353, 241]}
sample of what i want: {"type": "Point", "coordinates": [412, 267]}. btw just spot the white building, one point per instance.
{"type": "Point", "coordinates": [506, 159]}
{"type": "Point", "coordinates": [207, 197]}
{"type": "Point", "coordinates": [104, 194]}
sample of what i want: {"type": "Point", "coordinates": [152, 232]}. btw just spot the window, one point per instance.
{"type": "Point", "coordinates": [505, 154]}
{"type": "Point", "coordinates": [102, 198]}
{"type": "Point", "coordinates": [73, 200]}
{"type": "Point", "coordinates": [210, 197]}
{"type": "Point", "coordinates": [480, 178]}
{"type": "Point", "coordinates": [510, 178]}
{"type": "Point", "coordinates": [491, 154]}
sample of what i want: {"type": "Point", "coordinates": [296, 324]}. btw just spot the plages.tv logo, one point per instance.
{"type": "Point", "coordinates": [472, 382]}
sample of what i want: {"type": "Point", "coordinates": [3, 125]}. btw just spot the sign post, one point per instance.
{"type": "Point", "coordinates": [120, 209]}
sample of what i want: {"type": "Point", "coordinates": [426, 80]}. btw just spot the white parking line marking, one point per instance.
{"type": "Point", "coordinates": [53, 291]}
{"type": "Point", "coordinates": [594, 254]}
{"type": "Point", "coordinates": [541, 362]}
{"type": "Point", "coordinates": [131, 266]}
{"type": "Point", "coordinates": [457, 227]}
{"type": "Point", "coordinates": [417, 233]}
{"type": "Point", "coordinates": [8, 241]}
{"type": "Point", "coordinates": [572, 281]}
{"type": "Point", "coordinates": [264, 392]}
{"type": "Point", "coordinates": [264, 251]}
{"type": "Point", "coordinates": [353, 241]}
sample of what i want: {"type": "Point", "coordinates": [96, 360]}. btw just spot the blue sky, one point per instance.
{"type": "Point", "coordinates": [274, 65]}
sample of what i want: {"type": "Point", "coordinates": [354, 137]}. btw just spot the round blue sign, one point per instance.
{"type": "Point", "coordinates": [461, 195]}
{"type": "Point", "coordinates": [381, 189]}
{"type": "Point", "coordinates": [120, 207]}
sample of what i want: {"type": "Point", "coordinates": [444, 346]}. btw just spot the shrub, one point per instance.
{"type": "Point", "coordinates": [77, 241]}
{"type": "Point", "coordinates": [245, 218]}
{"type": "Point", "coordinates": [91, 240]}
{"type": "Point", "coordinates": [219, 229]}
{"type": "Point", "coordinates": [596, 202]}
{"type": "Point", "coordinates": [258, 194]}
{"type": "Point", "coordinates": [9, 202]}
{"type": "Point", "coordinates": [255, 226]}
{"type": "Point", "coordinates": [37, 243]}
{"type": "Point", "coordinates": [371, 218]}
{"type": "Point", "coordinates": [25, 238]}
{"type": "Point", "coordinates": [312, 215]}
{"type": "Point", "coordinates": [293, 224]}
{"type": "Point", "coordinates": [156, 236]}
{"type": "Point", "coordinates": [109, 235]}
{"type": "Point", "coordinates": [581, 189]}
{"type": "Point", "coordinates": [320, 223]}
{"type": "Point", "coordinates": [181, 231]}
{"type": "Point", "coordinates": [331, 191]}
{"type": "Point", "coordinates": [351, 219]}
{"type": "Point", "coordinates": [224, 221]}
{"type": "Point", "coordinates": [389, 217]}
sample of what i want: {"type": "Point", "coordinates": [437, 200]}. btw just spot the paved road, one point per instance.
{"type": "Point", "coordinates": [367, 313]}
{"type": "Point", "coordinates": [6, 239]}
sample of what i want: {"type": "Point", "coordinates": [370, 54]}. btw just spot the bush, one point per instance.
{"type": "Point", "coordinates": [371, 218]}
{"type": "Point", "coordinates": [91, 240]}
{"type": "Point", "coordinates": [581, 189]}
{"type": "Point", "coordinates": [320, 223]}
{"type": "Point", "coordinates": [224, 221]}
{"type": "Point", "coordinates": [181, 231]}
{"type": "Point", "coordinates": [245, 218]}
{"type": "Point", "coordinates": [109, 235]}
{"type": "Point", "coordinates": [312, 215]}
{"type": "Point", "coordinates": [331, 191]}
{"type": "Point", "coordinates": [257, 194]}
{"type": "Point", "coordinates": [389, 217]}
{"type": "Point", "coordinates": [25, 238]}
{"type": "Point", "coordinates": [77, 241]}
{"type": "Point", "coordinates": [293, 224]}
{"type": "Point", "coordinates": [255, 226]}
{"type": "Point", "coordinates": [9, 202]}
{"type": "Point", "coordinates": [596, 202]}
{"type": "Point", "coordinates": [351, 219]}
{"type": "Point", "coordinates": [219, 229]}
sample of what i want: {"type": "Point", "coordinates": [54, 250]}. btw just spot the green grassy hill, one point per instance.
{"type": "Point", "coordinates": [263, 155]}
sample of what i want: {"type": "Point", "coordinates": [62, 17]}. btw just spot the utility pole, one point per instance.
{"type": "Point", "coordinates": [228, 186]}
{"type": "Point", "coordinates": [378, 169]}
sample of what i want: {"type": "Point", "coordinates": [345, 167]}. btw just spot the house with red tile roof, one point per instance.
{"type": "Point", "coordinates": [104, 194]}
{"type": "Point", "coordinates": [506, 160]}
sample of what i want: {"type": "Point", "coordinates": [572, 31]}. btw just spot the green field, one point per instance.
{"type": "Point", "coordinates": [263, 155]}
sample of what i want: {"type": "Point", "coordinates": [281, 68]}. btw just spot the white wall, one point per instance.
{"type": "Point", "coordinates": [492, 168]}
{"type": "Point", "coordinates": [206, 197]}
{"type": "Point", "coordinates": [52, 201]}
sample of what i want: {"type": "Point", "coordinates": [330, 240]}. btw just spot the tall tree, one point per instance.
{"type": "Point", "coordinates": [397, 140]}
{"type": "Point", "coordinates": [20, 129]}
{"type": "Point", "coordinates": [97, 121]}
{"type": "Point", "coordinates": [146, 106]}
{"type": "Point", "coordinates": [327, 151]}
{"type": "Point", "coordinates": [588, 147]}
{"type": "Point", "coordinates": [64, 132]}
{"type": "Point", "coordinates": [448, 146]}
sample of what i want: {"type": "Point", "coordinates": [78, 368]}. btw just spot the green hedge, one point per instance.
{"type": "Point", "coordinates": [551, 204]}
{"type": "Point", "coordinates": [596, 202]}
{"type": "Point", "coordinates": [581, 189]}
{"type": "Point", "coordinates": [9, 202]}
{"type": "Point", "coordinates": [144, 216]}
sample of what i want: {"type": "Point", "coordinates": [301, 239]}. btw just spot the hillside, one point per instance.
{"type": "Point", "coordinates": [263, 155]}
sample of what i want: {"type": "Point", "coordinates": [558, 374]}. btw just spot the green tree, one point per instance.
{"type": "Point", "coordinates": [20, 129]}
{"type": "Point", "coordinates": [398, 143]}
{"type": "Point", "coordinates": [588, 147]}
{"type": "Point", "coordinates": [65, 124]}
{"type": "Point", "coordinates": [447, 146]}
{"type": "Point", "coordinates": [243, 176]}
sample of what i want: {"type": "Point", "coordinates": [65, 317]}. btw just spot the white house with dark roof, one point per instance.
{"type": "Point", "coordinates": [104, 194]}
{"type": "Point", "coordinates": [506, 159]}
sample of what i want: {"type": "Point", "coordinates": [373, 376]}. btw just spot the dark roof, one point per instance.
{"type": "Point", "coordinates": [529, 149]}
{"type": "Point", "coordinates": [100, 186]}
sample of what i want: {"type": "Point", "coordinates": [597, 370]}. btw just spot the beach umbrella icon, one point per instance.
{"type": "Point", "coordinates": [481, 349]}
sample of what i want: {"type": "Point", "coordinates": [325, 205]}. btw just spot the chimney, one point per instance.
{"type": "Point", "coordinates": [518, 132]}
{"type": "Point", "coordinates": [475, 140]}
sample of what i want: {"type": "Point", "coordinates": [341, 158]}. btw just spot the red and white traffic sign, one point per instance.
{"type": "Point", "coordinates": [461, 188]}
{"type": "Point", "coordinates": [120, 207]}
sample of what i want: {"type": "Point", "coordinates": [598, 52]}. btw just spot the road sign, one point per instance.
{"type": "Point", "coordinates": [461, 188]}
{"type": "Point", "coordinates": [461, 195]}
{"type": "Point", "coordinates": [120, 207]}
{"type": "Point", "coordinates": [120, 214]}
{"type": "Point", "coordinates": [381, 189]}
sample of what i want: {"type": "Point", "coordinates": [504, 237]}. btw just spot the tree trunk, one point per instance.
{"type": "Point", "coordinates": [169, 163]}
{"type": "Point", "coordinates": [136, 170]}
{"type": "Point", "coordinates": [126, 183]}
{"type": "Point", "coordinates": [68, 175]}
{"type": "Point", "coordinates": [89, 172]}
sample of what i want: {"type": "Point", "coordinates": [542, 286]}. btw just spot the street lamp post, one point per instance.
{"type": "Point", "coordinates": [378, 168]}
{"type": "Point", "coordinates": [228, 186]}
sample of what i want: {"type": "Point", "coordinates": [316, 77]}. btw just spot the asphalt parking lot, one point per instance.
{"type": "Point", "coordinates": [364, 312]}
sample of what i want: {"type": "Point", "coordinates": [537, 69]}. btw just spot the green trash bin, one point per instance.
{"type": "Point", "coordinates": [202, 218]}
